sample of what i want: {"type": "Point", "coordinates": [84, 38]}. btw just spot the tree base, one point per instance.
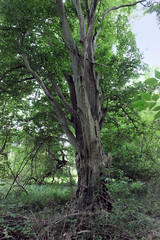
{"type": "Point", "coordinates": [84, 224]}
{"type": "Point", "coordinates": [94, 199]}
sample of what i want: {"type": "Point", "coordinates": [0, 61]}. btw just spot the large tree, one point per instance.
{"type": "Point", "coordinates": [37, 44]}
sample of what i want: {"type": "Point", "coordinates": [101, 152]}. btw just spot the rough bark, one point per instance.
{"type": "Point", "coordinates": [92, 192]}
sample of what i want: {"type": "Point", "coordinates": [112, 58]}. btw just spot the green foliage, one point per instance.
{"type": "Point", "coordinates": [135, 208]}
{"type": "Point", "coordinates": [157, 74]}
{"type": "Point", "coordinates": [155, 97]}
{"type": "Point", "coordinates": [37, 197]}
{"type": "Point", "coordinates": [148, 98]}
{"type": "Point", "coordinates": [124, 187]}
{"type": "Point", "coordinates": [140, 104]}
{"type": "Point", "coordinates": [156, 108]}
{"type": "Point", "coordinates": [14, 226]}
{"type": "Point", "coordinates": [151, 82]}
{"type": "Point", "coordinates": [157, 116]}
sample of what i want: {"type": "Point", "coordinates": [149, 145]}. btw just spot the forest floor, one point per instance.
{"type": "Point", "coordinates": [47, 213]}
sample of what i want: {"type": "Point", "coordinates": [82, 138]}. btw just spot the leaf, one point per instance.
{"type": "Point", "coordinates": [2, 184]}
{"type": "Point", "coordinates": [146, 96]}
{"type": "Point", "coordinates": [157, 74]}
{"type": "Point", "coordinates": [156, 108]}
{"type": "Point", "coordinates": [151, 105]}
{"type": "Point", "coordinates": [155, 97]}
{"type": "Point", "coordinates": [140, 104]}
{"type": "Point", "coordinates": [151, 81]}
{"type": "Point", "coordinates": [157, 115]}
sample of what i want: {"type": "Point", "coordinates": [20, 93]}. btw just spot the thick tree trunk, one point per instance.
{"type": "Point", "coordinates": [92, 191]}
{"type": "Point", "coordinates": [91, 164]}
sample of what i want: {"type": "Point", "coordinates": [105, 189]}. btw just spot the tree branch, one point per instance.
{"type": "Point", "coordinates": [25, 79]}
{"type": "Point", "coordinates": [60, 94]}
{"type": "Point", "coordinates": [56, 107]}
{"type": "Point", "coordinates": [87, 9]}
{"type": "Point", "coordinates": [130, 118]}
{"type": "Point", "coordinates": [4, 144]}
{"type": "Point", "coordinates": [94, 6]}
{"type": "Point", "coordinates": [24, 163]}
{"type": "Point", "coordinates": [11, 70]}
{"type": "Point", "coordinates": [4, 28]}
{"type": "Point", "coordinates": [77, 5]}
{"type": "Point", "coordinates": [88, 51]}
{"type": "Point", "coordinates": [71, 85]}
{"type": "Point", "coordinates": [65, 25]}
{"type": "Point", "coordinates": [121, 6]}
{"type": "Point", "coordinates": [99, 64]}
{"type": "Point", "coordinates": [23, 38]}
{"type": "Point", "coordinates": [35, 75]}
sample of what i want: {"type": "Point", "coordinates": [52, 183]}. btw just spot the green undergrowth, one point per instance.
{"type": "Point", "coordinates": [36, 197]}
{"type": "Point", "coordinates": [23, 208]}
{"type": "Point", "coordinates": [136, 210]}
{"type": "Point", "coordinates": [41, 213]}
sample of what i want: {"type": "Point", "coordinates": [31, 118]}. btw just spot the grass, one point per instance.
{"type": "Point", "coordinates": [20, 212]}
{"type": "Point", "coordinates": [37, 197]}
{"type": "Point", "coordinates": [135, 214]}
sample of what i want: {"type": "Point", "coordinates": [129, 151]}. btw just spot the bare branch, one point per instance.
{"type": "Point", "coordinates": [24, 162]}
{"type": "Point", "coordinates": [25, 79]}
{"type": "Point", "coordinates": [71, 85]}
{"type": "Point", "coordinates": [149, 4]}
{"type": "Point", "coordinates": [121, 6]}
